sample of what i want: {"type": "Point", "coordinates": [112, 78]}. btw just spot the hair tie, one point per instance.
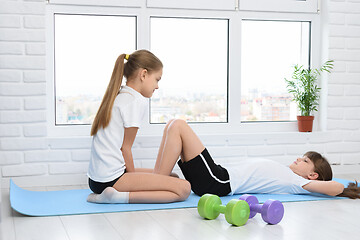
{"type": "Point", "coordinates": [127, 56]}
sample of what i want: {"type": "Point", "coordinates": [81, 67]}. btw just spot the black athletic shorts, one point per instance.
{"type": "Point", "coordinates": [205, 176]}
{"type": "Point", "coordinates": [99, 187]}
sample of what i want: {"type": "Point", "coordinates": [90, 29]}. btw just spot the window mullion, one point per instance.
{"type": "Point", "coordinates": [234, 71]}
{"type": "Point", "coordinates": [143, 42]}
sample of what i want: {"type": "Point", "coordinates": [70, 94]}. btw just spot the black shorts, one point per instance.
{"type": "Point", "coordinates": [205, 176]}
{"type": "Point", "coordinates": [99, 187]}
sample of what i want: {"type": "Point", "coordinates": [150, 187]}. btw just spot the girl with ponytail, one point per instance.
{"type": "Point", "coordinates": [112, 175]}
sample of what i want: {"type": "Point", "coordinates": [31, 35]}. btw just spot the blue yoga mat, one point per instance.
{"type": "Point", "coordinates": [68, 202]}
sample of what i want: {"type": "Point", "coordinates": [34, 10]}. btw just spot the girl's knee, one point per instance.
{"type": "Point", "coordinates": [176, 124]}
{"type": "Point", "coordinates": [185, 190]}
{"type": "Point", "coordinates": [168, 124]}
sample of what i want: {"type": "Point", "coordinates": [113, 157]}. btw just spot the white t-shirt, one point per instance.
{"type": "Point", "coordinates": [264, 176]}
{"type": "Point", "coordinates": [106, 160]}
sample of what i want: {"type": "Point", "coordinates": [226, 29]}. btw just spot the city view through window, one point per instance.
{"type": "Point", "coordinates": [85, 54]}
{"type": "Point", "coordinates": [270, 49]}
{"type": "Point", "coordinates": [195, 77]}
{"type": "Point", "coordinates": [194, 86]}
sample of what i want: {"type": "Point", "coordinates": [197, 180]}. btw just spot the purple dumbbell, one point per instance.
{"type": "Point", "coordinates": [272, 211]}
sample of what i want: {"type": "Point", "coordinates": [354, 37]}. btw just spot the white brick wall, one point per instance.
{"type": "Point", "coordinates": [28, 154]}
{"type": "Point", "coordinates": [344, 84]}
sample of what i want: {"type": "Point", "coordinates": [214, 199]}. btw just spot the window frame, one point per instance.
{"type": "Point", "coordinates": [51, 10]}
{"type": "Point", "coordinates": [296, 6]}
{"type": "Point", "coordinates": [234, 124]}
{"type": "Point", "coordinates": [190, 4]}
{"type": "Point", "coordinates": [110, 3]}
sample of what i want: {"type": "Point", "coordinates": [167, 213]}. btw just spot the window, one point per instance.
{"type": "Point", "coordinates": [86, 47]}
{"type": "Point", "coordinates": [195, 79]}
{"type": "Point", "coordinates": [270, 49]}
{"type": "Point", "coordinates": [214, 57]}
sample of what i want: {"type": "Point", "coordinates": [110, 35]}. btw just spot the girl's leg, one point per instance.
{"type": "Point", "coordinates": [150, 170]}
{"type": "Point", "coordinates": [178, 140]}
{"type": "Point", "coordinates": [161, 148]}
{"type": "Point", "coordinates": [153, 188]}
{"type": "Point", "coordinates": [144, 187]}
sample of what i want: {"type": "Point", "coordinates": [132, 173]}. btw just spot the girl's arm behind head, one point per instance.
{"type": "Point", "coordinates": [331, 188]}
{"type": "Point", "coordinates": [324, 171]}
{"type": "Point", "coordinates": [334, 188]}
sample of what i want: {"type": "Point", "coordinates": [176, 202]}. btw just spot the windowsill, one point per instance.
{"type": "Point", "coordinates": [200, 129]}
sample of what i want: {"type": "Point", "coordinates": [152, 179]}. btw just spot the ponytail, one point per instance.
{"type": "Point", "coordinates": [103, 115]}
{"type": "Point", "coordinates": [137, 60]}
{"type": "Point", "coordinates": [352, 191]}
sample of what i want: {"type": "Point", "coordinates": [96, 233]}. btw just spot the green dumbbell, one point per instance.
{"type": "Point", "coordinates": [236, 211]}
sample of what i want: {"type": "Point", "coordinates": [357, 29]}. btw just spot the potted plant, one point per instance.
{"type": "Point", "coordinates": [306, 93]}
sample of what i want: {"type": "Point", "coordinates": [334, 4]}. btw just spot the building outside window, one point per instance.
{"type": "Point", "coordinates": [270, 49]}
{"type": "Point", "coordinates": [194, 86]}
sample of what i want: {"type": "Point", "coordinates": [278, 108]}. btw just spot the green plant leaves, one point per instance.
{"type": "Point", "coordinates": [303, 87]}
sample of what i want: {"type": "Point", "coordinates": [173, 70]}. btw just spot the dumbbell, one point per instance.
{"type": "Point", "coordinates": [272, 211]}
{"type": "Point", "coordinates": [236, 211]}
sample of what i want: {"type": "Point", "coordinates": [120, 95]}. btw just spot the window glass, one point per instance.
{"type": "Point", "coordinates": [86, 48]}
{"type": "Point", "coordinates": [195, 77]}
{"type": "Point", "coordinates": [270, 49]}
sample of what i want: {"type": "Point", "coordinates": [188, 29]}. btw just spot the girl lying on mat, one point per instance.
{"type": "Point", "coordinates": [310, 173]}
{"type": "Point", "coordinates": [112, 175]}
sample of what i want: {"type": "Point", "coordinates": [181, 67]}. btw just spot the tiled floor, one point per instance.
{"type": "Point", "coordinates": [333, 219]}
